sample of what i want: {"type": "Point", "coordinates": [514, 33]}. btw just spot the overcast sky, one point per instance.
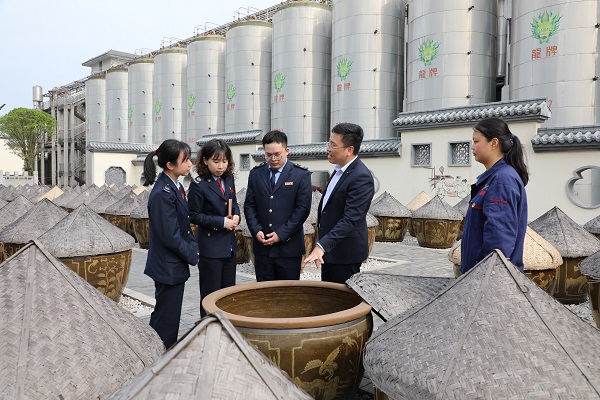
{"type": "Point", "coordinates": [44, 42]}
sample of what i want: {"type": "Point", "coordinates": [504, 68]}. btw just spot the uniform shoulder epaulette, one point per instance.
{"type": "Point", "coordinates": [262, 164]}
{"type": "Point", "coordinates": [198, 179]}
{"type": "Point", "coordinates": [167, 188]}
{"type": "Point", "coordinates": [301, 166]}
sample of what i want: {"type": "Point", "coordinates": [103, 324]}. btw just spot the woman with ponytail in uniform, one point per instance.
{"type": "Point", "coordinates": [497, 214]}
{"type": "Point", "coordinates": [172, 247]}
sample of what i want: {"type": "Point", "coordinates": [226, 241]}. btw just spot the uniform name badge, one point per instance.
{"type": "Point", "coordinates": [288, 183]}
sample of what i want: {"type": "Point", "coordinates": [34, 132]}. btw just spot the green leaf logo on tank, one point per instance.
{"type": "Point", "coordinates": [230, 92]}
{"type": "Point", "coordinates": [87, 122]}
{"type": "Point", "coordinates": [106, 118]}
{"type": "Point", "coordinates": [279, 81]}
{"type": "Point", "coordinates": [428, 51]}
{"type": "Point", "coordinates": [130, 113]}
{"type": "Point", "coordinates": [545, 26]}
{"type": "Point", "coordinates": [344, 66]}
{"type": "Point", "coordinates": [191, 100]}
{"type": "Point", "coordinates": [157, 107]}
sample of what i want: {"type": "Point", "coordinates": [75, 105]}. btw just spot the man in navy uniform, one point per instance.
{"type": "Point", "coordinates": [342, 224]}
{"type": "Point", "coordinates": [277, 203]}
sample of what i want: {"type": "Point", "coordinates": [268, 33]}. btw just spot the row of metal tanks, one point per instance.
{"type": "Point", "coordinates": [311, 66]}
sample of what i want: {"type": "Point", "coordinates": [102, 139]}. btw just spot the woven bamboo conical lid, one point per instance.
{"type": "Point", "coordinates": [51, 194]}
{"type": "Point", "coordinates": [538, 253]}
{"type": "Point", "coordinates": [36, 221]}
{"type": "Point", "coordinates": [103, 200]}
{"type": "Point", "coordinates": [437, 208]}
{"type": "Point", "coordinates": [215, 360]}
{"type": "Point", "coordinates": [391, 295]}
{"type": "Point", "coordinates": [419, 200]}
{"type": "Point", "coordinates": [84, 197]}
{"type": "Point", "coordinates": [69, 194]}
{"type": "Point", "coordinates": [3, 203]}
{"type": "Point", "coordinates": [463, 206]}
{"type": "Point", "coordinates": [372, 221]}
{"type": "Point", "coordinates": [62, 338]}
{"type": "Point", "coordinates": [591, 266]}
{"type": "Point", "coordinates": [124, 206]}
{"type": "Point", "coordinates": [85, 233]}
{"type": "Point", "coordinates": [32, 192]}
{"type": "Point", "coordinates": [593, 225]}
{"type": "Point", "coordinates": [492, 334]}
{"type": "Point", "coordinates": [388, 206]}
{"type": "Point", "coordinates": [378, 198]}
{"type": "Point", "coordinates": [570, 239]}
{"type": "Point", "coordinates": [138, 190]}
{"type": "Point", "coordinates": [140, 212]}
{"type": "Point", "coordinates": [241, 197]}
{"type": "Point", "coordinates": [308, 228]}
{"type": "Point", "coordinates": [13, 210]}
{"type": "Point", "coordinates": [314, 207]}
{"type": "Point", "coordinates": [455, 252]}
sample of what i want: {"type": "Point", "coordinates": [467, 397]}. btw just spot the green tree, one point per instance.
{"type": "Point", "coordinates": [25, 131]}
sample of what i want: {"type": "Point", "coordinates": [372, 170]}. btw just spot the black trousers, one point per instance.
{"type": "Point", "coordinates": [277, 268]}
{"type": "Point", "coordinates": [167, 311]}
{"type": "Point", "coordinates": [339, 273]}
{"type": "Point", "coordinates": [215, 274]}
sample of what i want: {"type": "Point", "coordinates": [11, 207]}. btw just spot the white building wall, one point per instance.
{"type": "Point", "coordinates": [99, 162]}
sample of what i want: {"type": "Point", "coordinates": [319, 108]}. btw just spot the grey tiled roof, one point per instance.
{"type": "Point", "coordinates": [118, 147]}
{"type": "Point", "coordinates": [368, 148]}
{"type": "Point", "coordinates": [567, 138]}
{"type": "Point", "coordinates": [529, 109]}
{"type": "Point", "coordinates": [233, 137]}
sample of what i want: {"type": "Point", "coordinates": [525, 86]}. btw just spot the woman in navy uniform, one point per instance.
{"type": "Point", "coordinates": [210, 195]}
{"type": "Point", "coordinates": [172, 247]}
{"type": "Point", "coordinates": [497, 214]}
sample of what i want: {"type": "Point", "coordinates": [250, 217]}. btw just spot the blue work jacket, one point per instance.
{"type": "Point", "coordinates": [497, 217]}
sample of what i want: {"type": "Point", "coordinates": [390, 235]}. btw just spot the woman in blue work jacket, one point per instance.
{"type": "Point", "coordinates": [497, 215]}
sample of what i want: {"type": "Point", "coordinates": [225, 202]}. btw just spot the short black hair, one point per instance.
{"type": "Point", "coordinates": [352, 134]}
{"type": "Point", "coordinates": [275, 137]}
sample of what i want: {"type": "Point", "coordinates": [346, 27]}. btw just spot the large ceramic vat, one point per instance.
{"type": "Point", "coordinates": [571, 284]}
{"type": "Point", "coordinates": [315, 331]}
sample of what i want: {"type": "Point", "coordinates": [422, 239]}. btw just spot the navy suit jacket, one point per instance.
{"type": "Point", "coordinates": [343, 221]}
{"type": "Point", "coordinates": [282, 210]}
{"type": "Point", "coordinates": [208, 207]}
{"type": "Point", "coordinates": [172, 247]}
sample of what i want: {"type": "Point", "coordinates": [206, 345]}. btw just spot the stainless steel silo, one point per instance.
{"type": "Point", "coordinates": [205, 83]}
{"type": "Point", "coordinates": [141, 71]}
{"type": "Point", "coordinates": [169, 94]}
{"type": "Point", "coordinates": [95, 108]}
{"type": "Point", "coordinates": [554, 54]}
{"type": "Point", "coordinates": [116, 105]}
{"type": "Point", "coordinates": [301, 76]}
{"type": "Point", "coordinates": [248, 76]}
{"type": "Point", "coordinates": [367, 58]}
{"type": "Point", "coordinates": [451, 53]}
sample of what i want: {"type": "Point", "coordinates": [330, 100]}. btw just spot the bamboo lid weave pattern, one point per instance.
{"type": "Point", "coordinates": [418, 201]}
{"type": "Point", "coordinates": [388, 206]}
{"type": "Point", "coordinates": [570, 239]}
{"type": "Point", "coordinates": [41, 217]}
{"type": "Point", "coordinates": [13, 210]}
{"type": "Point", "coordinates": [212, 361]}
{"type": "Point", "coordinates": [437, 208]}
{"type": "Point", "coordinates": [62, 338]}
{"type": "Point", "coordinates": [492, 334]}
{"type": "Point", "coordinates": [391, 295]}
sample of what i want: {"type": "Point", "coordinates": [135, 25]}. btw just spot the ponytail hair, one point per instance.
{"type": "Point", "coordinates": [167, 152]}
{"type": "Point", "coordinates": [510, 145]}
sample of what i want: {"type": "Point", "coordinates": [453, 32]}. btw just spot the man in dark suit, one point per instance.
{"type": "Point", "coordinates": [342, 225]}
{"type": "Point", "coordinates": [277, 204]}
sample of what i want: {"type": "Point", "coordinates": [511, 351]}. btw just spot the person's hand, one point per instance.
{"type": "Point", "coordinates": [236, 218]}
{"type": "Point", "coordinates": [230, 223]}
{"type": "Point", "coordinates": [260, 236]}
{"type": "Point", "coordinates": [272, 238]}
{"type": "Point", "coordinates": [315, 256]}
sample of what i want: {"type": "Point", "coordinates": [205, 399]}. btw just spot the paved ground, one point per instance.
{"type": "Point", "coordinates": [406, 258]}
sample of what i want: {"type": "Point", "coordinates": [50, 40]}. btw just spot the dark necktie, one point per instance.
{"type": "Point", "coordinates": [220, 185]}
{"type": "Point", "coordinates": [273, 172]}
{"type": "Point", "coordinates": [181, 192]}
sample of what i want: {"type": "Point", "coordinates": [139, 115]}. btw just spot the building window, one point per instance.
{"type": "Point", "coordinates": [459, 154]}
{"type": "Point", "coordinates": [245, 162]}
{"type": "Point", "coordinates": [421, 155]}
